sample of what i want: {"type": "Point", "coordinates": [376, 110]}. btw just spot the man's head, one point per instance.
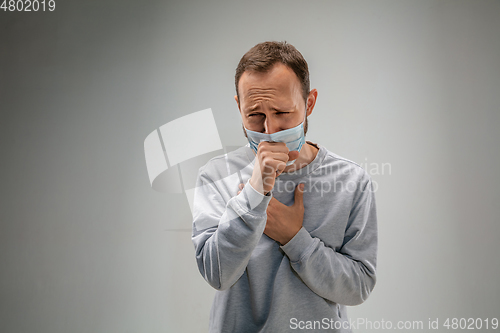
{"type": "Point", "coordinates": [272, 88]}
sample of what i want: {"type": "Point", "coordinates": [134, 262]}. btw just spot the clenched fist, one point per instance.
{"type": "Point", "coordinates": [270, 162]}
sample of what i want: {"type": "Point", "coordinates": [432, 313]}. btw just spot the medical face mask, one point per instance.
{"type": "Point", "coordinates": [294, 138]}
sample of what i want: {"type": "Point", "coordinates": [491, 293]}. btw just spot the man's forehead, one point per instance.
{"type": "Point", "coordinates": [280, 79]}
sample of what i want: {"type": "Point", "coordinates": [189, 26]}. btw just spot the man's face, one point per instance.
{"type": "Point", "coordinates": [270, 102]}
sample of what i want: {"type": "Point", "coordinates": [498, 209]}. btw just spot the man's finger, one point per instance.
{"type": "Point", "coordinates": [273, 146]}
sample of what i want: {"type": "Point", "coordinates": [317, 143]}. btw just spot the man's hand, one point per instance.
{"type": "Point", "coordinates": [270, 162]}
{"type": "Point", "coordinates": [284, 222]}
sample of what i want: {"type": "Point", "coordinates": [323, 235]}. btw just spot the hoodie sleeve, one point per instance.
{"type": "Point", "coordinates": [225, 233]}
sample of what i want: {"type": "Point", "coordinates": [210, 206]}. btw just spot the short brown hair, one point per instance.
{"type": "Point", "coordinates": [263, 56]}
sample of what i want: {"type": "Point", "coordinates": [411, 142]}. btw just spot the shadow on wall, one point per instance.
{"type": "Point", "coordinates": [176, 151]}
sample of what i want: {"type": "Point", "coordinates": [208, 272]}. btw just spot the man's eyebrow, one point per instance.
{"type": "Point", "coordinates": [251, 108]}
{"type": "Point", "coordinates": [277, 109]}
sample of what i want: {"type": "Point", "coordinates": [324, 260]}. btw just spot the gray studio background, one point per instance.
{"type": "Point", "coordinates": [87, 246]}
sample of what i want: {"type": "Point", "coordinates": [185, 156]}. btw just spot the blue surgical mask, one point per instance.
{"type": "Point", "coordinates": [294, 138]}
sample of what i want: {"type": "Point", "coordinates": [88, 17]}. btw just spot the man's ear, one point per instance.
{"type": "Point", "coordinates": [237, 101]}
{"type": "Point", "coordinates": [311, 101]}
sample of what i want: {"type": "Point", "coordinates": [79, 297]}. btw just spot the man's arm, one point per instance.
{"type": "Point", "coordinates": [224, 235]}
{"type": "Point", "coordinates": [347, 276]}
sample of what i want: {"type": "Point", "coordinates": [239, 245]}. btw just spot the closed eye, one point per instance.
{"type": "Point", "coordinates": [260, 114]}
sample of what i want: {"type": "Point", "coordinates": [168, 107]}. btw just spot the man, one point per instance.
{"type": "Point", "coordinates": [286, 231]}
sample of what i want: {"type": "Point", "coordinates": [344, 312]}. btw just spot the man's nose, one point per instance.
{"type": "Point", "coordinates": [271, 126]}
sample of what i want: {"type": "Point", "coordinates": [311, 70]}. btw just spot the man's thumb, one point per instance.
{"type": "Point", "coordinates": [293, 155]}
{"type": "Point", "coordinates": [299, 195]}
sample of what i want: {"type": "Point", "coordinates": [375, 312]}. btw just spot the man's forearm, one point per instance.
{"type": "Point", "coordinates": [224, 248]}
{"type": "Point", "coordinates": [330, 274]}
{"type": "Point", "coordinates": [346, 276]}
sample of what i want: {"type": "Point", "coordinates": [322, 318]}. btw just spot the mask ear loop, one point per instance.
{"type": "Point", "coordinates": [304, 122]}
{"type": "Point", "coordinates": [305, 114]}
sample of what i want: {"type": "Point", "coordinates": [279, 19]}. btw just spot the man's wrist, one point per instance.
{"type": "Point", "coordinates": [258, 188]}
{"type": "Point", "coordinates": [290, 237]}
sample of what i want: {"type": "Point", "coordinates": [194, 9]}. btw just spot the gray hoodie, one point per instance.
{"type": "Point", "coordinates": [305, 284]}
